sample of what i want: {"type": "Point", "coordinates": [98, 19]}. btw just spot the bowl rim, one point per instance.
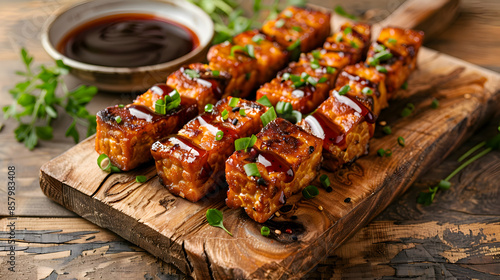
{"type": "Point", "coordinates": [56, 55]}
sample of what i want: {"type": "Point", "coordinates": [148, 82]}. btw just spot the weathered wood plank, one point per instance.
{"type": "Point", "coordinates": [179, 234]}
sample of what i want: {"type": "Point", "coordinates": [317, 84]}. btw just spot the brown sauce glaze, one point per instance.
{"type": "Point", "coordinates": [274, 163]}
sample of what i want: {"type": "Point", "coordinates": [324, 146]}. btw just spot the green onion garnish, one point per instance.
{"type": "Point", "coordinates": [310, 192]}
{"type": "Point", "coordinates": [288, 14]}
{"type": "Point", "coordinates": [387, 129]}
{"type": "Point", "coordinates": [216, 73]}
{"type": "Point", "coordinates": [330, 70]}
{"type": "Point", "coordinates": [381, 69]}
{"type": "Point", "coordinates": [265, 101]}
{"type": "Point", "coordinates": [160, 107]}
{"type": "Point", "coordinates": [118, 119]}
{"type": "Point", "coordinates": [192, 73]}
{"type": "Point", "coordinates": [225, 114]}
{"type": "Point", "coordinates": [279, 23]}
{"type": "Point", "coordinates": [325, 181]}
{"type": "Point", "coordinates": [347, 30]}
{"type": "Point", "coordinates": [233, 101]}
{"type": "Point", "coordinates": [401, 141]}
{"type": "Point", "coordinates": [322, 80]}
{"type": "Point", "coordinates": [381, 56]}
{"type": "Point", "coordinates": [312, 81]}
{"type": "Point", "coordinates": [247, 49]}
{"type": "Point", "coordinates": [243, 113]}
{"type": "Point", "coordinates": [141, 179]}
{"type": "Point", "coordinates": [121, 106]}
{"type": "Point", "coordinates": [250, 50]}
{"type": "Point", "coordinates": [405, 85]}
{"type": "Point", "coordinates": [338, 39]}
{"type": "Point", "coordinates": [388, 153]}
{"type": "Point", "coordinates": [315, 64]}
{"type": "Point", "coordinates": [367, 91]}
{"type": "Point", "coordinates": [268, 116]}
{"type": "Point", "coordinates": [372, 61]}
{"type": "Point", "coordinates": [244, 143]}
{"type": "Point", "coordinates": [297, 28]}
{"type": "Point", "coordinates": [209, 108]}
{"type": "Point", "coordinates": [354, 45]}
{"type": "Point", "coordinates": [344, 90]}
{"type": "Point", "coordinates": [406, 112]}
{"type": "Point", "coordinates": [284, 108]}
{"type": "Point", "coordinates": [380, 48]}
{"type": "Point", "coordinates": [219, 135]}
{"type": "Point", "coordinates": [435, 103]}
{"type": "Point", "coordinates": [293, 46]}
{"type": "Point", "coordinates": [258, 38]}
{"type": "Point", "coordinates": [392, 41]}
{"type": "Point", "coordinates": [252, 170]}
{"type": "Point", "coordinates": [410, 106]}
{"type": "Point", "coordinates": [265, 231]}
{"type": "Point", "coordinates": [109, 167]}
{"type": "Point", "coordinates": [316, 54]}
{"type": "Point", "coordinates": [380, 152]}
{"type": "Point", "coordinates": [285, 76]}
{"type": "Point", "coordinates": [175, 98]}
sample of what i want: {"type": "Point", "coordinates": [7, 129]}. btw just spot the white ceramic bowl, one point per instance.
{"type": "Point", "coordinates": [124, 79]}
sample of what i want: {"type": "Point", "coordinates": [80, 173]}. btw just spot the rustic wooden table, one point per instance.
{"type": "Point", "coordinates": [454, 237]}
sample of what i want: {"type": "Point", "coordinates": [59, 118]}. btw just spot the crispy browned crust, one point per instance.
{"type": "Point", "coordinates": [292, 157]}
{"type": "Point", "coordinates": [354, 44]}
{"type": "Point", "coordinates": [309, 26]}
{"type": "Point", "coordinates": [206, 88]}
{"type": "Point", "coordinates": [404, 50]}
{"type": "Point", "coordinates": [191, 163]}
{"type": "Point", "coordinates": [127, 142]}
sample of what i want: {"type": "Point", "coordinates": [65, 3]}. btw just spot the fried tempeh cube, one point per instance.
{"type": "Point", "coordinates": [271, 57]}
{"type": "Point", "coordinates": [299, 26]}
{"type": "Point", "coordinates": [303, 84]}
{"type": "Point", "coordinates": [345, 124]}
{"type": "Point", "coordinates": [191, 163]}
{"type": "Point", "coordinates": [197, 81]}
{"type": "Point", "coordinates": [395, 53]}
{"type": "Point", "coordinates": [352, 39]}
{"type": "Point", "coordinates": [242, 66]}
{"type": "Point", "coordinates": [125, 134]}
{"type": "Point", "coordinates": [288, 159]}
{"type": "Point", "coordinates": [365, 83]}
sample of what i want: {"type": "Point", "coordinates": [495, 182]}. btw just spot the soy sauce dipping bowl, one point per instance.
{"type": "Point", "coordinates": [125, 79]}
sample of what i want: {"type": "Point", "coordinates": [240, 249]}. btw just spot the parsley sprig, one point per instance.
{"type": "Point", "coordinates": [35, 103]}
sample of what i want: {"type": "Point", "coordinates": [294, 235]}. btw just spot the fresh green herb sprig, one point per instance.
{"type": "Point", "coordinates": [215, 219]}
{"type": "Point", "coordinates": [35, 103]}
{"type": "Point", "coordinates": [426, 198]}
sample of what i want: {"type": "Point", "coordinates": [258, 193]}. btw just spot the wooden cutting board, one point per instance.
{"type": "Point", "coordinates": [176, 230]}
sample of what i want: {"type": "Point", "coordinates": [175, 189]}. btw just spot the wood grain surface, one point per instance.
{"type": "Point", "coordinates": [474, 36]}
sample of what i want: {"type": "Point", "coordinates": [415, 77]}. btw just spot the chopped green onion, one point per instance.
{"type": "Point", "coordinates": [405, 85]}
{"type": "Point", "coordinates": [258, 38]}
{"type": "Point", "coordinates": [325, 181]}
{"type": "Point", "coordinates": [310, 192]}
{"type": "Point", "coordinates": [216, 73]}
{"type": "Point", "coordinates": [243, 113]}
{"type": "Point", "coordinates": [344, 90]}
{"type": "Point", "coordinates": [297, 28]}
{"type": "Point", "coordinates": [322, 80]}
{"type": "Point", "coordinates": [347, 30]}
{"type": "Point", "coordinates": [288, 13]}
{"type": "Point", "coordinates": [372, 61]}
{"type": "Point", "coordinates": [192, 73]}
{"type": "Point", "coordinates": [100, 159]}
{"type": "Point", "coordinates": [252, 170]}
{"type": "Point", "coordinates": [233, 101]}
{"type": "Point", "coordinates": [444, 185]}
{"type": "Point", "coordinates": [279, 23]}
{"type": "Point", "coordinates": [141, 179]}
{"type": "Point", "coordinates": [435, 103]}
{"type": "Point", "coordinates": [367, 91]}
{"type": "Point", "coordinates": [401, 141]}
{"type": "Point", "coordinates": [304, 75]}
{"type": "Point", "coordinates": [312, 81]}
{"type": "Point", "coordinates": [387, 129]}
{"type": "Point", "coordinates": [237, 48]}
{"type": "Point", "coordinates": [264, 100]}
{"type": "Point", "coordinates": [381, 56]}
{"type": "Point", "coordinates": [339, 37]}
{"type": "Point", "coordinates": [316, 54]}
{"type": "Point", "coordinates": [160, 107]}
{"type": "Point", "coordinates": [225, 114]}
{"type": "Point", "coordinates": [175, 98]}
{"type": "Point", "coordinates": [380, 48]}
{"type": "Point", "coordinates": [241, 143]}
{"type": "Point", "coordinates": [388, 153]}
{"type": "Point", "coordinates": [293, 46]}
{"type": "Point", "coordinates": [381, 152]}
{"type": "Point", "coordinates": [381, 69]}
{"type": "Point", "coordinates": [268, 116]}
{"type": "Point", "coordinates": [406, 112]}
{"type": "Point", "coordinates": [392, 41]}
{"type": "Point", "coordinates": [284, 108]}
{"type": "Point", "coordinates": [339, 10]}
{"type": "Point", "coordinates": [410, 106]}
{"type": "Point", "coordinates": [330, 70]}
{"type": "Point", "coordinates": [253, 139]}
{"type": "Point", "coordinates": [315, 64]}
{"type": "Point", "coordinates": [354, 45]}
{"type": "Point", "coordinates": [219, 135]}
{"type": "Point", "coordinates": [118, 119]}
{"type": "Point", "coordinates": [265, 231]}
{"type": "Point", "coordinates": [121, 106]}
{"type": "Point", "coordinates": [250, 50]}
{"type": "Point", "coordinates": [209, 108]}
{"type": "Point", "coordinates": [285, 76]}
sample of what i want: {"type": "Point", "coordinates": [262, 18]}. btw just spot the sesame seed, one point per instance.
{"type": "Point", "coordinates": [320, 208]}
{"type": "Point", "coordinates": [467, 96]}
{"type": "Point", "coordinates": [278, 232]}
{"type": "Point", "coordinates": [278, 214]}
{"type": "Point", "coordinates": [382, 123]}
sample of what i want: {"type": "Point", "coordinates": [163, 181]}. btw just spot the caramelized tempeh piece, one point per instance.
{"type": "Point", "coordinates": [396, 54]}
{"type": "Point", "coordinates": [197, 81]}
{"type": "Point", "coordinates": [191, 163]}
{"type": "Point", "coordinates": [292, 24]}
{"type": "Point", "coordinates": [288, 159]}
{"type": "Point", "coordinates": [345, 124]}
{"type": "Point", "coordinates": [293, 85]}
{"type": "Point", "coordinates": [241, 66]}
{"type": "Point", "coordinates": [125, 134]}
{"type": "Point", "coordinates": [352, 39]}
{"type": "Point", "coordinates": [271, 57]}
